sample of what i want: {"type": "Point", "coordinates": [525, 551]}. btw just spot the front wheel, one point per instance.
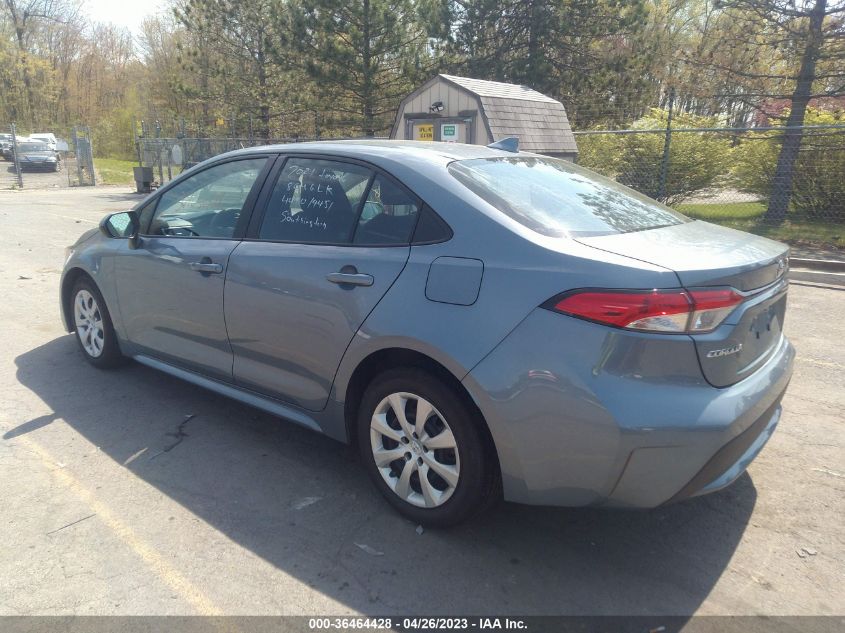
{"type": "Point", "coordinates": [94, 330]}
{"type": "Point", "coordinates": [424, 448]}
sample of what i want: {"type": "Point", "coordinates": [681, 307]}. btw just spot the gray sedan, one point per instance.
{"type": "Point", "coordinates": [479, 323]}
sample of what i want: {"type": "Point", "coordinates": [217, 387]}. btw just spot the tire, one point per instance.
{"type": "Point", "coordinates": [95, 333]}
{"type": "Point", "coordinates": [459, 482]}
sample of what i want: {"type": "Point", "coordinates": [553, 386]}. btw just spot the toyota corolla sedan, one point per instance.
{"type": "Point", "coordinates": [480, 323]}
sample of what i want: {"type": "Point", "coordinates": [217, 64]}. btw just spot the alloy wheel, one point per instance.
{"type": "Point", "coordinates": [89, 323]}
{"type": "Point", "coordinates": [414, 450]}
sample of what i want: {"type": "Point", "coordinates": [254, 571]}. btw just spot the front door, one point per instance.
{"type": "Point", "coordinates": [170, 288]}
{"type": "Point", "coordinates": [333, 238]}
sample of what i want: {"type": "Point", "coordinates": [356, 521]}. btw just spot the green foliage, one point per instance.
{"type": "Point", "coordinates": [362, 55]}
{"type": "Point", "coordinates": [818, 189]}
{"type": "Point", "coordinates": [112, 134]}
{"type": "Point", "coordinates": [593, 56]}
{"type": "Point", "coordinates": [696, 160]}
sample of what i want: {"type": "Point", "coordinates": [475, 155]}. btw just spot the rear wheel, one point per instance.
{"type": "Point", "coordinates": [424, 449]}
{"type": "Point", "coordinates": [94, 330]}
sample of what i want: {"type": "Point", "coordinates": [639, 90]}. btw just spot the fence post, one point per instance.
{"type": "Point", "coordinates": [664, 164]}
{"type": "Point", "coordinates": [79, 158]}
{"type": "Point", "coordinates": [18, 173]}
{"type": "Point", "coordinates": [91, 156]}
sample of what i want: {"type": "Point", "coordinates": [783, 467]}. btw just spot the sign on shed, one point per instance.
{"type": "Point", "coordinates": [449, 132]}
{"type": "Point", "coordinates": [424, 132]}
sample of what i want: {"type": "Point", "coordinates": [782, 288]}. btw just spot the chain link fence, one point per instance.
{"type": "Point", "coordinates": [39, 162]}
{"type": "Point", "coordinates": [164, 158]}
{"type": "Point", "coordinates": [731, 175]}
{"type": "Point", "coordinates": [727, 175]}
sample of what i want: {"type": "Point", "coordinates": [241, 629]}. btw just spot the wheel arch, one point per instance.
{"type": "Point", "coordinates": [389, 358]}
{"type": "Point", "coordinates": [68, 281]}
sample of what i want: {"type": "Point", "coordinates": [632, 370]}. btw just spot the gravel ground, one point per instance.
{"type": "Point", "coordinates": [114, 504]}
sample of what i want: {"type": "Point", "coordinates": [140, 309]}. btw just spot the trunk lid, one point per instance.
{"type": "Point", "coordinates": [705, 255]}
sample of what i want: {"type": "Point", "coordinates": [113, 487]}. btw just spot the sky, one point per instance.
{"type": "Point", "coordinates": [128, 13]}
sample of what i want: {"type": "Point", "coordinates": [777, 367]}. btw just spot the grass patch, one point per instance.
{"type": "Point", "coordinates": [723, 211]}
{"type": "Point", "coordinates": [112, 171]}
{"type": "Point", "coordinates": [748, 216]}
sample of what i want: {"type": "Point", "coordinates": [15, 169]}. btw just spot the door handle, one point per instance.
{"type": "Point", "coordinates": [206, 267]}
{"type": "Point", "coordinates": [353, 279]}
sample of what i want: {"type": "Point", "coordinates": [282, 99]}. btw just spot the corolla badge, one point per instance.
{"type": "Point", "coordinates": [725, 351]}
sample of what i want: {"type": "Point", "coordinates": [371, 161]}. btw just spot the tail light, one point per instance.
{"type": "Point", "coordinates": [672, 311]}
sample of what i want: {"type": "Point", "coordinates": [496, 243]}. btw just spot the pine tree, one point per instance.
{"type": "Point", "coordinates": [363, 55]}
{"type": "Point", "coordinates": [584, 52]}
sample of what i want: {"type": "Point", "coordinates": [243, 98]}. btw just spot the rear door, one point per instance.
{"type": "Point", "coordinates": [332, 237]}
{"type": "Point", "coordinates": [170, 288]}
{"type": "Point", "coordinates": [706, 256]}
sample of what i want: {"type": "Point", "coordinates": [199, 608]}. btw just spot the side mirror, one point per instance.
{"type": "Point", "coordinates": [122, 225]}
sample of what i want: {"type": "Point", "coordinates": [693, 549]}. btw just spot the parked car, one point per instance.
{"type": "Point", "coordinates": [5, 139]}
{"type": "Point", "coordinates": [7, 147]}
{"type": "Point", "coordinates": [497, 323]}
{"type": "Point", "coordinates": [38, 156]}
{"type": "Point", "coordinates": [45, 137]}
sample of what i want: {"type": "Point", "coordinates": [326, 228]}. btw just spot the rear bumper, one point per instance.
{"type": "Point", "coordinates": [582, 414]}
{"type": "Point", "coordinates": [733, 458]}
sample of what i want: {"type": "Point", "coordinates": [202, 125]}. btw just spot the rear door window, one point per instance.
{"type": "Point", "coordinates": [556, 198]}
{"type": "Point", "coordinates": [315, 201]}
{"type": "Point", "coordinates": [388, 216]}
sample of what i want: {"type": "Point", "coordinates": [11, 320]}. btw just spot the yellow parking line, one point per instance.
{"type": "Point", "coordinates": [152, 557]}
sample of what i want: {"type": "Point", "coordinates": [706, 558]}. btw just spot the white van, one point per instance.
{"type": "Point", "coordinates": [44, 137]}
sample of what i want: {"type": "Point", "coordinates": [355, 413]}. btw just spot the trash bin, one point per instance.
{"type": "Point", "coordinates": [143, 179]}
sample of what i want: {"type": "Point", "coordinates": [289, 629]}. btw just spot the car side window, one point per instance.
{"type": "Point", "coordinates": [315, 201]}
{"type": "Point", "coordinates": [207, 204]}
{"type": "Point", "coordinates": [389, 215]}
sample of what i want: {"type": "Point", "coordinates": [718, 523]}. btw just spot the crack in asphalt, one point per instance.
{"type": "Point", "coordinates": [179, 435]}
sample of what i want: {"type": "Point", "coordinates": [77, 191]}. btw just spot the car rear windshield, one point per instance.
{"type": "Point", "coordinates": [556, 198]}
{"type": "Point", "coordinates": [33, 147]}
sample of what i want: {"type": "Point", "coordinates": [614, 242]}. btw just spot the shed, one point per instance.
{"type": "Point", "coordinates": [465, 110]}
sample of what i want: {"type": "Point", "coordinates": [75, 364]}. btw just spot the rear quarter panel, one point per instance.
{"type": "Point", "coordinates": [521, 270]}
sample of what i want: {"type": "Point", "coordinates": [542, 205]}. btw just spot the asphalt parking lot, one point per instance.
{"type": "Point", "coordinates": [113, 504]}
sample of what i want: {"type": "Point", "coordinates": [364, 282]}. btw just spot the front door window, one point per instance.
{"type": "Point", "coordinates": [208, 204]}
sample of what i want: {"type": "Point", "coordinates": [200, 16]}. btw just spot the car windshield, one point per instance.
{"type": "Point", "coordinates": [556, 198]}
{"type": "Point", "coordinates": [33, 147]}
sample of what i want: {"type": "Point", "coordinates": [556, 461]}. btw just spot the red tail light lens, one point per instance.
{"type": "Point", "coordinates": [678, 311]}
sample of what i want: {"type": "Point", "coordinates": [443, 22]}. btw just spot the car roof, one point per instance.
{"type": "Point", "coordinates": [369, 148]}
